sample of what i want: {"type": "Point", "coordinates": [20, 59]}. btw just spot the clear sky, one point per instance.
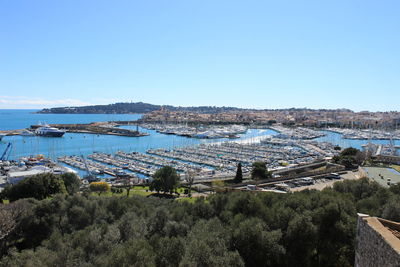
{"type": "Point", "coordinates": [261, 54]}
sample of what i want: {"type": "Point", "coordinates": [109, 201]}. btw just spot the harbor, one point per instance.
{"type": "Point", "coordinates": [210, 158]}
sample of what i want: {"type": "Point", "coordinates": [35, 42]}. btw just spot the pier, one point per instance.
{"type": "Point", "coordinates": [104, 128]}
{"type": "Point", "coordinates": [96, 128]}
{"type": "Point", "coordinates": [210, 161]}
{"type": "Point", "coordinates": [95, 168]}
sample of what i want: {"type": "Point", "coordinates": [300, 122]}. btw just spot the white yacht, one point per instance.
{"type": "Point", "coordinates": [49, 131]}
{"type": "Point", "coordinates": [27, 133]}
{"type": "Point", "coordinates": [1, 136]}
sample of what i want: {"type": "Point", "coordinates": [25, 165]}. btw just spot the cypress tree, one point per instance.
{"type": "Point", "coordinates": [239, 175]}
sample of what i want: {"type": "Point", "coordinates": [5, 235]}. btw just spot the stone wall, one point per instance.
{"type": "Point", "coordinates": [375, 244]}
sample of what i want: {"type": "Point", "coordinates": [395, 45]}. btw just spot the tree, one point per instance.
{"type": "Point", "coordinates": [218, 185]}
{"type": "Point", "coordinates": [170, 251]}
{"type": "Point", "coordinates": [9, 216]}
{"type": "Point", "coordinates": [190, 176]}
{"type": "Point", "coordinates": [71, 182]}
{"type": "Point", "coordinates": [350, 157]}
{"type": "Point", "coordinates": [259, 171]}
{"type": "Point", "coordinates": [256, 245]}
{"type": "Point", "coordinates": [391, 210]}
{"type": "Point", "coordinates": [350, 151]}
{"type": "Point", "coordinates": [300, 240]}
{"type": "Point", "coordinates": [239, 175]}
{"type": "Point", "coordinates": [99, 187]}
{"type": "Point", "coordinates": [395, 189]}
{"type": "Point", "coordinates": [136, 252]}
{"type": "Point", "coordinates": [307, 228]}
{"type": "Point", "coordinates": [207, 245]}
{"type": "Point", "coordinates": [127, 185]}
{"type": "Point", "coordinates": [39, 186]}
{"type": "Point", "coordinates": [165, 179]}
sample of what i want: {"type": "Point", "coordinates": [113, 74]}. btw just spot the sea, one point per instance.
{"type": "Point", "coordinates": [84, 144]}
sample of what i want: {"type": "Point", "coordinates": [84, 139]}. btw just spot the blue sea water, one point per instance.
{"type": "Point", "coordinates": [12, 119]}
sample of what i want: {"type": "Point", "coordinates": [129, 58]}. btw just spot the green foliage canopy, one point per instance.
{"type": "Point", "coordinates": [259, 171]}
{"type": "Point", "coordinates": [307, 228]}
{"type": "Point", "coordinates": [71, 182]}
{"type": "Point", "coordinates": [39, 186]}
{"type": "Point", "coordinates": [165, 179]}
{"type": "Point", "coordinates": [350, 157]}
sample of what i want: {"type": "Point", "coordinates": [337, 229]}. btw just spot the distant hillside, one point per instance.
{"type": "Point", "coordinates": [117, 108]}
{"type": "Point", "coordinates": [124, 108]}
{"type": "Point", "coordinates": [140, 107]}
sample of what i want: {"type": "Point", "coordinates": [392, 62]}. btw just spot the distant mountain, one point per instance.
{"type": "Point", "coordinates": [124, 108]}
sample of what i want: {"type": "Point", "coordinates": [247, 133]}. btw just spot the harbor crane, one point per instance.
{"type": "Point", "coordinates": [4, 155]}
{"type": "Point", "coordinates": [90, 177]}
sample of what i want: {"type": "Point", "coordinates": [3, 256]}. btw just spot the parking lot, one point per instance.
{"type": "Point", "coordinates": [323, 183]}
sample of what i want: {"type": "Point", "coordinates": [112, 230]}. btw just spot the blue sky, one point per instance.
{"type": "Point", "coordinates": [261, 54]}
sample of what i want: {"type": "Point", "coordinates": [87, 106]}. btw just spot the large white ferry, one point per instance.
{"type": "Point", "coordinates": [49, 131]}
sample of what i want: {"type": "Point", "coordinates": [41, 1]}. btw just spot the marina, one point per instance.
{"type": "Point", "coordinates": [208, 161]}
{"type": "Point", "coordinates": [366, 134]}
{"type": "Point", "coordinates": [277, 153]}
{"type": "Point", "coordinates": [297, 132]}
{"type": "Point", "coordinates": [211, 157]}
{"type": "Point", "coordinates": [13, 171]}
{"type": "Point", "coordinates": [93, 167]}
{"type": "Point", "coordinates": [200, 131]}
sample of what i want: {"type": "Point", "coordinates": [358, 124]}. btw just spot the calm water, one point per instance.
{"type": "Point", "coordinates": [12, 119]}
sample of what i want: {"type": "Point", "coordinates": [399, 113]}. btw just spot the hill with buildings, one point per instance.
{"type": "Point", "coordinates": [212, 114]}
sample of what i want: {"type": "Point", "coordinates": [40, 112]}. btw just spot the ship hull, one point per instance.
{"type": "Point", "coordinates": [51, 134]}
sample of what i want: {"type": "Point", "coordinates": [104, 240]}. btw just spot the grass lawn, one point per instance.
{"type": "Point", "coordinates": [139, 192]}
{"type": "Point", "coordinates": [136, 190]}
